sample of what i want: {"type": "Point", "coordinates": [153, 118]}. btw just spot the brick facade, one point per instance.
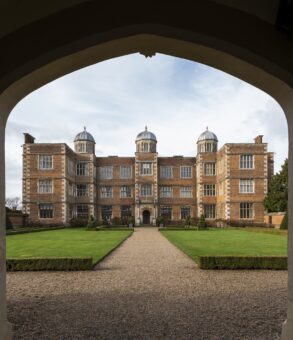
{"type": "Point", "coordinates": [225, 184]}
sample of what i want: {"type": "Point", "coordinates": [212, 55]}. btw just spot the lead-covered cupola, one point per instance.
{"type": "Point", "coordinates": [146, 141]}
{"type": "Point", "coordinates": [207, 142]}
{"type": "Point", "coordinates": [84, 142]}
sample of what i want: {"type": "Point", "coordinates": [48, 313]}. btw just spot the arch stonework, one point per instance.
{"type": "Point", "coordinates": [234, 40]}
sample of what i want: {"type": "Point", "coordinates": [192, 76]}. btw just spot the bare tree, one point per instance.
{"type": "Point", "coordinates": [12, 202]}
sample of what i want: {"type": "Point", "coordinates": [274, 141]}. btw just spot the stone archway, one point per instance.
{"type": "Point", "coordinates": [146, 217]}
{"type": "Point", "coordinates": [239, 42]}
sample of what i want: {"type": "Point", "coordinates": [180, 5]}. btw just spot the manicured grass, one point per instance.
{"type": "Point", "coordinates": [227, 242]}
{"type": "Point", "coordinates": [64, 243]}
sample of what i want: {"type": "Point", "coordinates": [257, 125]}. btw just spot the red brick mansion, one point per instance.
{"type": "Point", "coordinates": [228, 184]}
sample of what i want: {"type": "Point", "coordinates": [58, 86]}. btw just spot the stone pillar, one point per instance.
{"type": "Point", "coordinates": [5, 328]}
{"type": "Point", "coordinates": [287, 330]}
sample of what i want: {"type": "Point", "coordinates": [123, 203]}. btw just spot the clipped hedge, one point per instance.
{"type": "Point", "coordinates": [123, 228]}
{"type": "Point", "coordinates": [178, 228]}
{"type": "Point", "coordinates": [31, 230]}
{"type": "Point", "coordinates": [242, 262]}
{"type": "Point", "coordinates": [53, 263]}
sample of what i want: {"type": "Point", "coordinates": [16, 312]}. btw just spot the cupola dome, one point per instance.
{"type": "Point", "coordinates": [84, 136]}
{"type": "Point", "coordinates": [207, 135]}
{"type": "Point", "coordinates": [146, 141]}
{"type": "Point", "coordinates": [146, 135]}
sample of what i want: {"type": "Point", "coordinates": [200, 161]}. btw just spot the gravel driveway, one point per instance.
{"type": "Point", "coordinates": [147, 289]}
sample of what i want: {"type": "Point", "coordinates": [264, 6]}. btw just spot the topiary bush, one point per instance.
{"type": "Point", "coordinates": [202, 223]}
{"type": "Point", "coordinates": [92, 223]}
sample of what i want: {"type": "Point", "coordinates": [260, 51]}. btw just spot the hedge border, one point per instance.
{"type": "Point", "coordinates": [178, 228]}
{"type": "Point", "coordinates": [49, 263]}
{"type": "Point", "coordinates": [33, 230]}
{"type": "Point", "coordinates": [242, 262]}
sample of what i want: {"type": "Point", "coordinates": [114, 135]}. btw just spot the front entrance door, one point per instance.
{"type": "Point", "coordinates": [146, 217]}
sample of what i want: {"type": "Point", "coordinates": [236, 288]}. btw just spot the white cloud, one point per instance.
{"type": "Point", "coordinates": [115, 99]}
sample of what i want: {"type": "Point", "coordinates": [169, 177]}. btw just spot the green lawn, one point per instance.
{"type": "Point", "coordinates": [227, 242]}
{"type": "Point", "coordinates": [64, 243]}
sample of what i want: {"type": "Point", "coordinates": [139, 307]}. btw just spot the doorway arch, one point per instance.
{"type": "Point", "coordinates": [146, 217]}
{"type": "Point", "coordinates": [198, 31]}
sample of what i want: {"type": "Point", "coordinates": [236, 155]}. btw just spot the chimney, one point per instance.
{"type": "Point", "coordinates": [258, 139]}
{"type": "Point", "coordinates": [28, 139]}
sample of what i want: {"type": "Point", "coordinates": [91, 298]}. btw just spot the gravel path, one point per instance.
{"type": "Point", "coordinates": [147, 289]}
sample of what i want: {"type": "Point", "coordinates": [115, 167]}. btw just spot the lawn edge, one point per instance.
{"type": "Point", "coordinates": [113, 249]}
{"type": "Point", "coordinates": [212, 262]}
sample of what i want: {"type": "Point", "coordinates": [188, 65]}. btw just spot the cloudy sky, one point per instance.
{"type": "Point", "coordinates": [115, 99]}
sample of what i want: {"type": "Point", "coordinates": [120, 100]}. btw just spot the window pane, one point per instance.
{"type": "Point", "coordinates": [46, 210]}
{"type": "Point", "coordinates": [185, 212]}
{"type": "Point", "coordinates": [246, 186]}
{"type": "Point", "coordinates": [209, 169]}
{"type": "Point", "coordinates": [126, 211]}
{"type": "Point", "coordinates": [166, 211]}
{"type": "Point", "coordinates": [185, 172]}
{"type": "Point", "coordinates": [210, 210]}
{"type": "Point", "coordinates": [81, 190]}
{"type": "Point", "coordinates": [106, 192]}
{"type": "Point", "coordinates": [186, 191]}
{"type": "Point", "coordinates": [45, 162]}
{"type": "Point", "coordinates": [125, 171]}
{"type": "Point", "coordinates": [209, 190]}
{"type": "Point", "coordinates": [146, 168]}
{"type": "Point", "coordinates": [146, 190]}
{"type": "Point", "coordinates": [45, 186]}
{"type": "Point", "coordinates": [106, 212]}
{"type": "Point", "coordinates": [166, 171]}
{"type": "Point", "coordinates": [166, 191]}
{"type": "Point", "coordinates": [246, 210]}
{"type": "Point", "coordinates": [82, 211]}
{"type": "Point", "coordinates": [125, 191]}
{"type": "Point", "coordinates": [82, 169]}
{"type": "Point", "coordinates": [106, 172]}
{"type": "Point", "coordinates": [246, 162]}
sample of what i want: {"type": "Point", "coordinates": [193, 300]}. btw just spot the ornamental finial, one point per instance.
{"type": "Point", "coordinates": [207, 128]}
{"type": "Point", "coordinates": [146, 128]}
{"type": "Point", "coordinates": [84, 128]}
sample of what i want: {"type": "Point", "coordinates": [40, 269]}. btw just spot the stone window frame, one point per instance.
{"type": "Point", "coordinates": [210, 169]}
{"type": "Point", "coordinates": [43, 162]}
{"type": "Point", "coordinates": [166, 191]}
{"type": "Point", "coordinates": [41, 187]}
{"type": "Point", "coordinates": [82, 211]}
{"type": "Point", "coordinates": [184, 192]}
{"type": "Point", "coordinates": [144, 171]}
{"type": "Point", "coordinates": [166, 210]}
{"type": "Point", "coordinates": [82, 192]}
{"type": "Point", "coordinates": [209, 211]}
{"type": "Point", "coordinates": [106, 172]}
{"type": "Point", "coordinates": [246, 186]}
{"type": "Point", "coordinates": [46, 210]}
{"type": "Point", "coordinates": [246, 161]}
{"type": "Point", "coordinates": [124, 193]}
{"type": "Point", "coordinates": [106, 191]}
{"type": "Point", "coordinates": [146, 190]}
{"type": "Point", "coordinates": [183, 214]}
{"type": "Point", "coordinates": [209, 189]}
{"type": "Point", "coordinates": [164, 173]}
{"type": "Point", "coordinates": [184, 173]}
{"type": "Point", "coordinates": [123, 169]}
{"type": "Point", "coordinates": [125, 212]}
{"type": "Point", "coordinates": [109, 210]}
{"type": "Point", "coordinates": [246, 211]}
{"type": "Point", "coordinates": [84, 171]}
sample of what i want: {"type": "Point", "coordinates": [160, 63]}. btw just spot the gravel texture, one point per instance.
{"type": "Point", "coordinates": [147, 289]}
